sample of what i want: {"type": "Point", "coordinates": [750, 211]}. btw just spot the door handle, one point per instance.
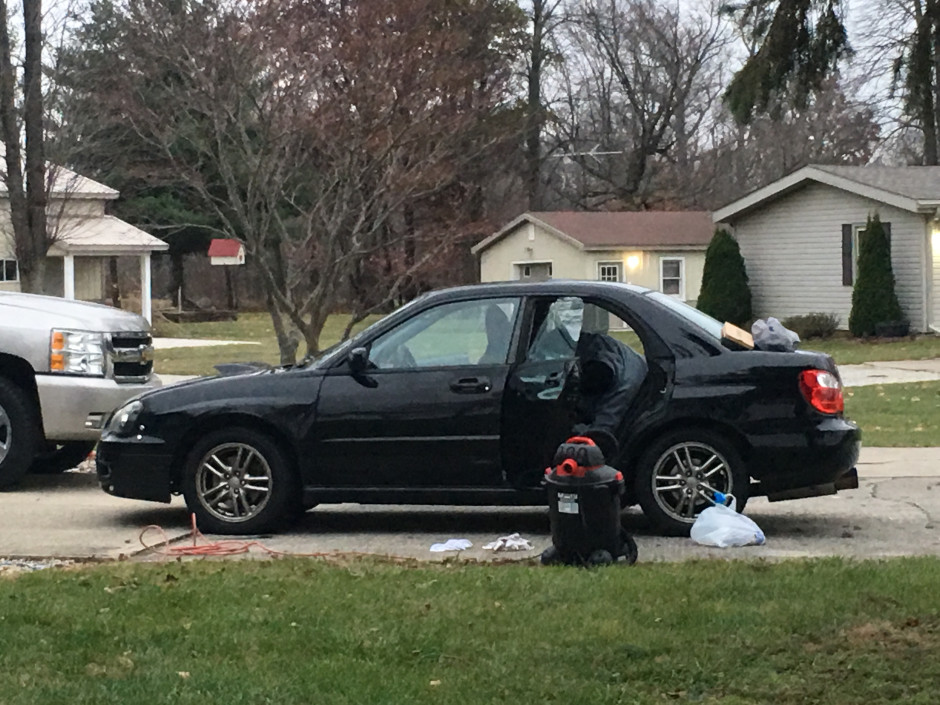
{"type": "Point", "coordinates": [471, 385]}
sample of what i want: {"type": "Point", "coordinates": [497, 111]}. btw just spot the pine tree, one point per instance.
{"type": "Point", "coordinates": [874, 299]}
{"type": "Point", "coordinates": [725, 293]}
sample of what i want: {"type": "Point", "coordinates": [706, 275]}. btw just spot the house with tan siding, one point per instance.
{"type": "Point", "coordinates": [662, 250]}
{"type": "Point", "coordinates": [84, 239]}
{"type": "Point", "coordinates": [799, 238]}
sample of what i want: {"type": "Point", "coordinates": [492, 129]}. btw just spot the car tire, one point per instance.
{"type": "Point", "coordinates": [61, 457]}
{"type": "Point", "coordinates": [19, 432]}
{"type": "Point", "coordinates": [672, 492]}
{"type": "Point", "coordinates": [238, 481]}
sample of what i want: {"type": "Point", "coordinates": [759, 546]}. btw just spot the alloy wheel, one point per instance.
{"type": "Point", "coordinates": [233, 482]}
{"type": "Point", "coordinates": [686, 477]}
{"type": "Point", "coordinates": [6, 434]}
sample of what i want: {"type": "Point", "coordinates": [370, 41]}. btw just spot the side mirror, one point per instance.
{"type": "Point", "coordinates": [358, 360]}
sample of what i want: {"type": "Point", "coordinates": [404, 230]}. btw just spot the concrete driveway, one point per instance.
{"type": "Point", "coordinates": [895, 512]}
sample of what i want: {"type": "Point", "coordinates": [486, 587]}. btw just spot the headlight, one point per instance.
{"type": "Point", "coordinates": [76, 352]}
{"type": "Point", "coordinates": [123, 420]}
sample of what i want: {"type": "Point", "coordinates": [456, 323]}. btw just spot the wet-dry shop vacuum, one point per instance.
{"type": "Point", "coordinates": [584, 508]}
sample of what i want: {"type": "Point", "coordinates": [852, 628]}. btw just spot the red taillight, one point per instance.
{"type": "Point", "coordinates": [822, 390]}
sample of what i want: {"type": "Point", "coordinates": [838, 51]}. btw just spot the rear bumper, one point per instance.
{"type": "Point", "coordinates": [136, 470]}
{"type": "Point", "coordinates": [818, 462]}
{"type": "Point", "coordinates": [75, 408]}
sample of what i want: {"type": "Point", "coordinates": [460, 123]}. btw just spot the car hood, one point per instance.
{"type": "Point", "coordinates": [221, 387]}
{"type": "Point", "coordinates": [35, 311]}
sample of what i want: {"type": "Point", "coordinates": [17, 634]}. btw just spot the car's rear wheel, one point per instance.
{"type": "Point", "coordinates": [237, 481]}
{"type": "Point", "coordinates": [679, 473]}
{"type": "Point", "coordinates": [19, 432]}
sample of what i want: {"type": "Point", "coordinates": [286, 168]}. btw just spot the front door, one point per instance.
{"type": "Point", "coordinates": [427, 413]}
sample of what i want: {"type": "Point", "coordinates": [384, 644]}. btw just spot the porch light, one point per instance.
{"type": "Point", "coordinates": [633, 261]}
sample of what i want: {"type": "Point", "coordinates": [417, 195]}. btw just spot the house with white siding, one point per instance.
{"type": "Point", "coordinates": [663, 250]}
{"type": "Point", "coordinates": [799, 238]}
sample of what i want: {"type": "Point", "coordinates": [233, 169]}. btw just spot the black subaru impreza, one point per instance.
{"type": "Point", "coordinates": [463, 395]}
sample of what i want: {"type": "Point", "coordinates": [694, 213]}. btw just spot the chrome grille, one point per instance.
{"type": "Point", "coordinates": [131, 356]}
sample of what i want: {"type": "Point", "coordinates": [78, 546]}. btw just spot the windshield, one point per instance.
{"type": "Point", "coordinates": [693, 315]}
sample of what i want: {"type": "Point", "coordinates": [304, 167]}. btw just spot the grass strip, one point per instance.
{"type": "Point", "coordinates": [300, 631]}
{"type": "Point", "coordinates": [896, 415]}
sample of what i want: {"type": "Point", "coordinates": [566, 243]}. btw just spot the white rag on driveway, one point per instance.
{"type": "Point", "coordinates": [513, 542]}
{"type": "Point", "coordinates": [451, 545]}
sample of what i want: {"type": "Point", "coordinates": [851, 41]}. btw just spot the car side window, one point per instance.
{"type": "Point", "coordinates": [561, 323]}
{"type": "Point", "coordinates": [459, 334]}
{"type": "Point", "coordinates": [557, 328]}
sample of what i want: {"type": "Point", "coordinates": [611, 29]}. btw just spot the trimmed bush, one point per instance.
{"type": "Point", "coordinates": [813, 325]}
{"type": "Point", "coordinates": [874, 300]}
{"type": "Point", "coordinates": [725, 293]}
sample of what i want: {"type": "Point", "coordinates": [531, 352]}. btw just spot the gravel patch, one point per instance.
{"type": "Point", "coordinates": [16, 566]}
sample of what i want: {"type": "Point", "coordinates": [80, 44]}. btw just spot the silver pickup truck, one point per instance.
{"type": "Point", "coordinates": [64, 366]}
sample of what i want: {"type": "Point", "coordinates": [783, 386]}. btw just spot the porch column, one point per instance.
{"type": "Point", "coordinates": [68, 277]}
{"type": "Point", "coordinates": [145, 304]}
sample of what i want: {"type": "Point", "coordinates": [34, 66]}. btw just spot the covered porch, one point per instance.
{"type": "Point", "coordinates": [78, 259]}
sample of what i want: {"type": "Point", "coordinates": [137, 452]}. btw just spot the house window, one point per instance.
{"type": "Point", "coordinates": [672, 276]}
{"type": "Point", "coordinates": [527, 271]}
{"type": "Point", "coordinates": [610, 271]}
{"type": "Point", "coordinates": [9, 272]}
{"type": "Point", "coordinates": [851, 245]}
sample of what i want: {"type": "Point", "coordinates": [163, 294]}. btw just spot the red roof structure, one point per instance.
{"type": "Point", "coordinates": [220, 247]}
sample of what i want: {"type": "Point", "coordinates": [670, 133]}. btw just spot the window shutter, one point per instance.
{"type": "Point", "coordinates": [847, 259]}
{"type": "Point", "coordinates": [887, 227]}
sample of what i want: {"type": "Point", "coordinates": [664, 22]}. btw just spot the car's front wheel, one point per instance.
{"type": "Point", "coordinates": [678, 475]}
{"type": "Point", "coordinates": [237, 481]}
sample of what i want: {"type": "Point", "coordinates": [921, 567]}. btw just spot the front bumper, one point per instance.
{"type": "Point", "coordinates": [136, 469]}
{"type": "Point", "coordinates": [818, 462]}
{"type": "Point", "coordinates": [75, 408]}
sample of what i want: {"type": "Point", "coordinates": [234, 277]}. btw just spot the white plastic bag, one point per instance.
{"type": "Point", "coordinates": [723, 527]}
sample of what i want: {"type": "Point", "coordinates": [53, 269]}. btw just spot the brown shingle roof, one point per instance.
{"type": "Point", "coordinates": [636, 229]}
{"type": "Point", "coordinates": [652, 230]}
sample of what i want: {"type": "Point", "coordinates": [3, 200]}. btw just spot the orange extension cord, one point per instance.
{"type": "Point", "coordinates": [203, 547]}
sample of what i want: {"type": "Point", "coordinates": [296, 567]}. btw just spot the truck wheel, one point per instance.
{"type": "Point", "coordinates": [60, 457]}
{"type": "Point", "coordinates": [19, 432]}
{"type": "Point", "coordinates": [678, 474]}
{"type": "Point", "coordinates": [237, 481]}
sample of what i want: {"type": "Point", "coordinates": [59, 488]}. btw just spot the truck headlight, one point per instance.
{"type": "Point", "coordinates": [77, 352]}
{"type": "Point", "coordinates": [123, 420]}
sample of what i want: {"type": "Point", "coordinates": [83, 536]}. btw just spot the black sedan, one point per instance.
{"type": "Point", "coordinates": [462, 396]}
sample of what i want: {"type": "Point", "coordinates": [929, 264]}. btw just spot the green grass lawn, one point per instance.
{"type": "Point", "coordinates": [299, 631]}
{"type": "Point", "coordinates": [849, 351]}
{"type": "Point", "coordinates": [896, 415]}
{"type": "Point", "coordinates": [254, 327]}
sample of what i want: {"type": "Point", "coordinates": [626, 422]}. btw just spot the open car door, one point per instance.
{"type": "Point", "coordinates": [541, 396]}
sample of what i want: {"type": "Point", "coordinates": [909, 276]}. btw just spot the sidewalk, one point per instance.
{"type": "Point", "coordinates": [892, 372]}
{"type": "Point", "coordinates": [899, 462]}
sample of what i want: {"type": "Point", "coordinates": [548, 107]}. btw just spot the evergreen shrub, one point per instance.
{"type": "Point", "coordinates": [725, 293]}
{"type": "Point", "coordinates": [874, 299]}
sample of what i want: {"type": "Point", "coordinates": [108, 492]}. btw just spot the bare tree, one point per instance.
{"type": "Point", "coordinates": [639, 90]}
{"type": "Point", "coordinates": [27, 203]}
{"type": "Point", "coordinates": [325, 136]}
{"type": "Point", "coordinates": [834, 126]}
{"type": "Point", "coordinates": [545, 19]}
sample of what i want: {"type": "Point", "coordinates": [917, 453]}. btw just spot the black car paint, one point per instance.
{"type": "Point", "coordinates": [335, 424]}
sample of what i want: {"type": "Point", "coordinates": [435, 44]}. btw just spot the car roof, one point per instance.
{"type": "Point", "coordinates": [573, 287]}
